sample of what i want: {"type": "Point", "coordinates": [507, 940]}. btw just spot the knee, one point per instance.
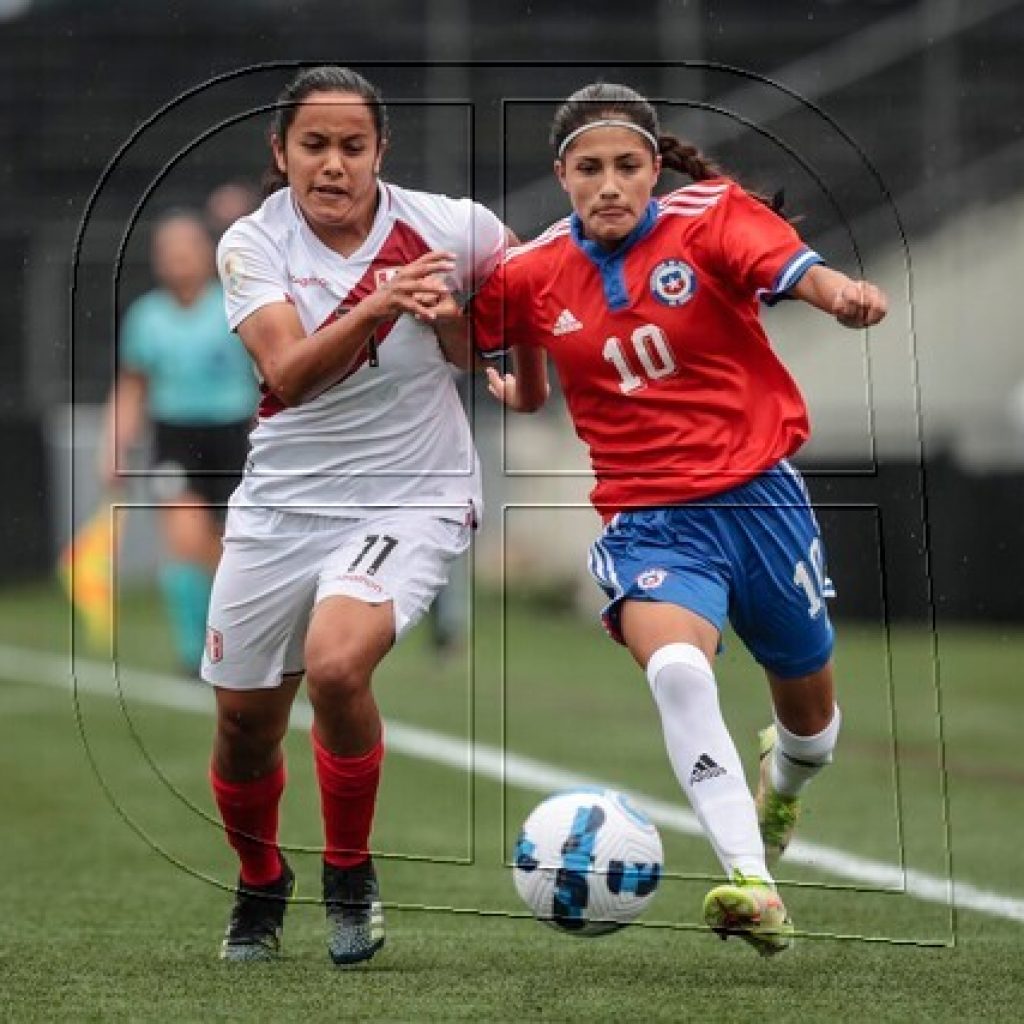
{"type": "Point", "coordinates": [241, 729]}
{"type": "Point", "coordinates": [811, 719]}
{"type": "Point", "coordinates": [339, 673]}
{"type": "Point", "coordinates": [678, 674]}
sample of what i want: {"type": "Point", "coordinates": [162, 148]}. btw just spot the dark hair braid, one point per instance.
{"type": "Point", "coordinates": [686, 158]}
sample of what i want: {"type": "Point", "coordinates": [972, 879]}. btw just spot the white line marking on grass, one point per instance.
{"type": "Point", "coordinates": [19, 665]}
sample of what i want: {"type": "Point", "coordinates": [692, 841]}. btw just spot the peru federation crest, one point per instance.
{"type": "Point", "coordinates": [214, 645]}
{"type": "Point", "coordinates": [673, 282]}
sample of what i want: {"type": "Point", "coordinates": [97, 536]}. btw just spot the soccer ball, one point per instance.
{"type": "Point", "coordinates": [587, 862]}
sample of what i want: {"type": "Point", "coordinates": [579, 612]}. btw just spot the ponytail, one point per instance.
{"type": "Point", "coordinates": [685, 158]}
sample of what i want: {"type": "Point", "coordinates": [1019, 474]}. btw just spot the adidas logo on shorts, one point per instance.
{"type": "Point", "coordinates": [704, 769]}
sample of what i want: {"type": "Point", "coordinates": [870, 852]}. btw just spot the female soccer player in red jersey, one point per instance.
{"type": "Point", "coordinates": [361, 487]}
{"type": "Point", "coordinates": [649, 309]}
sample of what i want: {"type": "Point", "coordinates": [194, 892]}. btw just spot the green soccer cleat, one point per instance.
{"type": "Point", "coordinates": [776, 814]}
{"type": "Point", "coordinates": [355, 914]}
{"type": "Point", "coordinates": [254, 931]}
{"type": "Point", "coordinates": [751, 909]}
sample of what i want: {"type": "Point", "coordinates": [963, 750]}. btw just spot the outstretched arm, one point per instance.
{"type": "Point", "coordinates": [852, 303]}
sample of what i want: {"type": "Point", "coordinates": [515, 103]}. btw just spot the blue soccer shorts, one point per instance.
{"type": "Point", "coordinates": [752, 554]}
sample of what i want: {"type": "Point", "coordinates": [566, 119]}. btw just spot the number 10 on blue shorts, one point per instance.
{"type": "Point", "coordinates": [752, 555]}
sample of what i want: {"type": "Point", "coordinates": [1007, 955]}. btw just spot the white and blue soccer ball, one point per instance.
{"type": "Point", "coordinates": [587, 862]}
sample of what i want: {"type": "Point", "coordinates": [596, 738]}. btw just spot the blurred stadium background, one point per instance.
{"type": "Point", "coordinates": [897, 137]}
{"type": "Point", "coordinates": [896, 130]}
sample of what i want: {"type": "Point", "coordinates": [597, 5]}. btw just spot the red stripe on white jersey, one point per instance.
{"type": "Point", "coordinates": [402, 245]}
{"type": "Point", "coordinates": [270, 404]}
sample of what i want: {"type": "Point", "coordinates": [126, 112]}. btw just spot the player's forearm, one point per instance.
{"type": "Point", "coordinates": [854, 304]}
{"type": "Point", "coordinates": [453, 337]}
{"type": "Point", "coordinates": [123, 416]}
{"type": "Point", "coordinates": [106, 451]}
{"type": "Point", "coordinates": [301, 369]}
{"type": "Point", "coordinates": [127, 413]}
{"type": "Point", "coordinates": [819, 287]}
{"type": "Point", "coordinates": [298, 369]}
{"type": "Point", "coordinates": [530, 369]}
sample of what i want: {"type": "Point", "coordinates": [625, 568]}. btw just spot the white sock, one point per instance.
{"type": "Point", "coordinates": [704, 756]}
{"type": "Point", "coordinates": [797, 759]}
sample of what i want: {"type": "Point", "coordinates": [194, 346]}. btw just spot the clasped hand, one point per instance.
{"type": "Point", "coordinates": [419, 289]}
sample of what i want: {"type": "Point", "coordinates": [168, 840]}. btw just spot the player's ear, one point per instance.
{"type": "Point", "coordinates": [657, 165]}
{"type": "Point", "coordinates": [278, 149]}
{"type": "Point", "coordinates": [379, 158]}
{"type": "Point", "coordinates": [560, 174]}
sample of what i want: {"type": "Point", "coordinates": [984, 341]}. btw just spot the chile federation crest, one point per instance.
{"type": "Point", "coordinates": [673, 282]}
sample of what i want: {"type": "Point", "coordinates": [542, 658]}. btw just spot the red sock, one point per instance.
{"type": "Point", "coordinates": [348, 796]}
{"type": "Point", "coordinates": [249, 812]}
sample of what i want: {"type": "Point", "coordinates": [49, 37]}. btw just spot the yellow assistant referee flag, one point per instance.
{"type": "Point", "coordinates": [86, 570]}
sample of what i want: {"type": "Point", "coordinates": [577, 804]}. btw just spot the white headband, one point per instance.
{"type": "Point", "coordinates": [609, 123]}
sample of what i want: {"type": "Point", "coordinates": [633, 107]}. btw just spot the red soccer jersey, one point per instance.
{"type": "Point", "coordinates": [670, 379]}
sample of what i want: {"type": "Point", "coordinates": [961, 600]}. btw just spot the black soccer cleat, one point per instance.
{"type": "Point", "coordinates": [254, 931]}
{"type": "Point", "coordinates": [355, 914]}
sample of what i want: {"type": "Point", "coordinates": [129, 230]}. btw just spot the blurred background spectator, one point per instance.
{"type": "Point", "coordinates": [183, 373]}
{"type": "Point", "coordinates": [227, 202]}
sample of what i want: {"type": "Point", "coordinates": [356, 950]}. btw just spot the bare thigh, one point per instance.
{"type": "Point", "coordinates": [649, 625]}
{"type": "Point", "coordinates": [348, 633]}
{"type": "Point", "coordinates": [347, 640]}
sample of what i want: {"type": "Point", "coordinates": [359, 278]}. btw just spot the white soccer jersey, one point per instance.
{"type": "Point", "coordinates": [393, 434]}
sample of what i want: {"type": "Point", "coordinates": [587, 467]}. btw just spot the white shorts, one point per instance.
{"type": "Point", "coordinates": [277, 565]}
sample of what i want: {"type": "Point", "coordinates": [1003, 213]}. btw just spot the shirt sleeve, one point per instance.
{"type": "Point", "coordinates": [500, 310]}
{"type": "Point", "coordinates": [251, 270]}
{"type": "Point", "coordinates": [478, 246]}
{"type": "Point", "coordinates": [755, 249]}
{"type": "Point", "coordinates": [136, 349]}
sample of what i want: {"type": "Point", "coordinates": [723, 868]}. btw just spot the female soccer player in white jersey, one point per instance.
{"type": "Point", "coordinates": [648, 308]}
{"type": "Point", "coordinates": [361, 487]}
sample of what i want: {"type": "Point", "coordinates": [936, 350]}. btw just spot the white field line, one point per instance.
{"type": "Point", "coordinates": [19, 664]}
